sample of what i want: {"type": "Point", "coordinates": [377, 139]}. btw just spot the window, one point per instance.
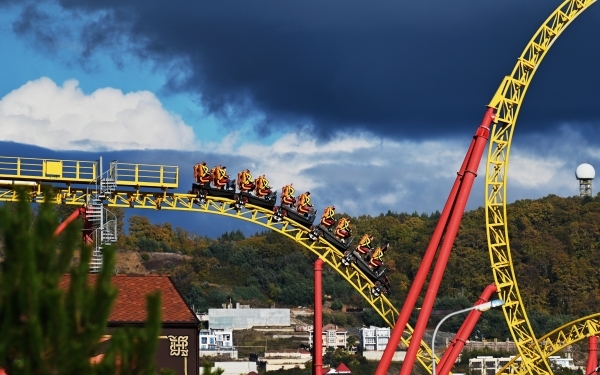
{"type": "Point", "coordinates": [331, 337]}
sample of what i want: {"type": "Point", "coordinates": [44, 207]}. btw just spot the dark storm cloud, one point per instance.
{"type": "Point", "coordinates": [402, 69]}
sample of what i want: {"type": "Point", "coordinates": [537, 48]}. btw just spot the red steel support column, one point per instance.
{"type": "Point", "coordinates": [481, 137]}
{"type": "Point", "coordinates": [418, 282]}
{"type": "Point", "coordinates": [88, 229]}
{"type": "Point", "coordinates": [318, 321]}
{"type": "Point", "coordinates": [417, 285]}
{"type": "Point", "coordinates": [592, 364]}
{"type": "Point", "coordinates": [88, 226]}
{"type": "Point", "coordinates": [78, 212]}
{"type": "Point", "coordinates": [458, 342]}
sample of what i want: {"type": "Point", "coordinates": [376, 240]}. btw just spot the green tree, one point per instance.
{"type": "Point", "coordinates": [352, 341]}
{"type": "Point", "coordinates": [371, 318]}
{"type": "Point", "coordinates": [207, 369]}
{"type": "Point", "coordinates": [47, 330]}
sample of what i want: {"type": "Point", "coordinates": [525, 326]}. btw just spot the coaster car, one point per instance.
{"type": "Point", "coordinates": [318, 231]}
{"type": "Point", "coordinates": [377, 276]}
{"type": "Point", "coordinates": [242, 198]}
{"type": "Point", "coordinates": [306, 220]}
{"type": "Point", "coordinates": [202, 191]}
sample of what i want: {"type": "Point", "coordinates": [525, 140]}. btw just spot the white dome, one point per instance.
{"type": "Point", "coordinates": [585, 172]}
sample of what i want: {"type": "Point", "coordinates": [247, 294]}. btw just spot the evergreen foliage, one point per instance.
{"type": "Point", "coordinates": [46, 330]}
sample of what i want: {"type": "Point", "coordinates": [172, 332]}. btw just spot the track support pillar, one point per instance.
{"type": "Point", "coordinates": [592, 364]}
{"type": "Point", "coordinates": [318, 320]}
{"type": "Point", "coordinates": [452, 213]}
{"type": "Point", "coordinates": [458, 342]}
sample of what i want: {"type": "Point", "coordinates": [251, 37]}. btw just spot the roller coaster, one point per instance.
{"type": "Point", "coordinates": [86, 184]}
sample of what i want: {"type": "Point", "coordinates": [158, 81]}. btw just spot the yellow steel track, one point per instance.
{"type": "Point", "coordinates": [560, 338]}
{"type": "Point", "coordinates": [146, 187]}
{"type": "Point", "coordinates": [508, 101]}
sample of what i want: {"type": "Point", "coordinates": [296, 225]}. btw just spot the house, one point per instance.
{"type": "Point", "coordinates": [372, 343]}
{"type": "Point", "coordinates": [342, 369]}
{"type": "Point", "coordinates": [214, 342]}
{"type": "Point", "coordinates": [373, 338]}
{"type": "Point", "coordinates": [178, 340]}
{"type": "Point", "coordinates": [332, 337]}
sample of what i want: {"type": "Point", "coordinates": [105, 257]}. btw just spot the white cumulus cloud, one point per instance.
{"type": "Point", "coordinates": [358, 173]}
{"type": "Point", "coordinates": [532, 170]}
{"type": "Point", "coordinates": [45, 114]}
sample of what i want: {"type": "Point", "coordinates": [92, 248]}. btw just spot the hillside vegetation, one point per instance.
{"type": "Point", "coordinates": [554, 243]}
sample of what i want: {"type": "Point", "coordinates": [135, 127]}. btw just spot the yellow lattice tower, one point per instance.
{"type": "Point", "coordinates": [508, 101]}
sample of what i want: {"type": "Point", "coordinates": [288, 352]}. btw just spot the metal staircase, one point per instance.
{"type": "Point", "coordinates": [103, 222]}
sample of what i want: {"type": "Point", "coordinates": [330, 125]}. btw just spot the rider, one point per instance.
{"type": "Point", "coordinates": [342, 230]}
{"type": "Point", "coordinates": [364, 246]}
{"type": "Point", "coordinates": [213, 174]}
{"type": "Point", "coordinates": [287, 195]}
{"type": "Point", "coordinates": [220, 177]}
{"type": "Point", "coordinates": [303, 205]}
{"type": "Point", "coordinates": [262, 188]}
{"type": "Point", "coordinates": [201, 173]}
{"type": "Point", "coordinates": [245, 181]}
{"type": "Point", "coordinates": [197, 172]}
{"type": "Point", "coordinates": [376, 260]}
{"type": "Point", "coordinates": [328, 217]}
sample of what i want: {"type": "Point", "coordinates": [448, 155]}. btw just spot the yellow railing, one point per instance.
{"type": "Point", "coordinates": [22, 169]}
{"type": "Point", "coordinates": [162, 176]}
{"type": "Point", "coordinates": [15, 169]}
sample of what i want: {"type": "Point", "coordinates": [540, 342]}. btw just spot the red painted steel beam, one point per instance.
{"type": "Point", "coordinates": [458, 342]}
{"type": "Point", "coordinates": [318, 320]}
{"type": "Point", "coordinates": [88, 226]}
{"type": "Point", "coordinates": [76, 214]}
{"type": "Point", "coordinates": [417, 285]}
{"type": "Point", "coordinates": [420, 277]}
{"type": "Point", "coordinates": [481, 137]}
{"type": "Point", "coordinates": [592, 364]}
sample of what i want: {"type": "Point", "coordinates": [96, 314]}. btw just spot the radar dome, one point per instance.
{"type": "Point", "coordinates": [585, 172]}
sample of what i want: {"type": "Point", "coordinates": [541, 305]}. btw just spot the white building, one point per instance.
{"type": "Point", "coordinates": [217, 342]}
{"type": "Point", "coordinates": [373, 341]}
{"type": "Point", "coordinates": [488, 365]}
{"type": "Point", "coordinates": [332, 337]}
{"type": "Point", "coordinates": [374, 338]}
{"type": "Point", "coordinates": [243, 317]}
{"type": "Point", "coordinates": [563, 362]}
{"type": "Point", "coordinates": [286, 359]}
{"type": "Point", "coordinates": [236, 368]}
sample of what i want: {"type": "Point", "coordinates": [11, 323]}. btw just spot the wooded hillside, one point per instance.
{"type": "Point", "coordinates": [554, 243]}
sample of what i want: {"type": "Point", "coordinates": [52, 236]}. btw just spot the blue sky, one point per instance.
{"type": "Point", "coordinates": [371, 107]}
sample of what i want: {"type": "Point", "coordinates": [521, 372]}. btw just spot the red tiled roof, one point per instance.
{"type": "Point", "coordinates": [342, 368]}
{"type": "Point", "coordinates": [130, 304]}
